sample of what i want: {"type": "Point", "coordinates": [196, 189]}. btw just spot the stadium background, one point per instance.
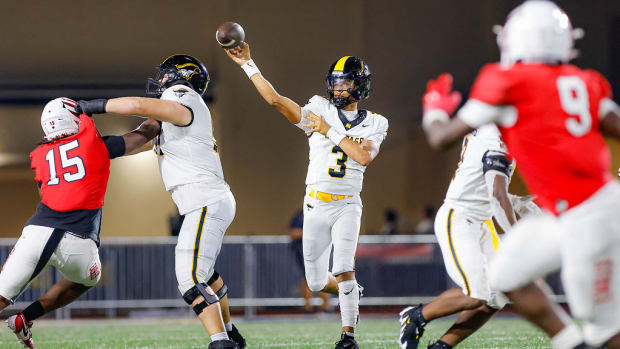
{"type": "Point", "coordinates": [86, 49]}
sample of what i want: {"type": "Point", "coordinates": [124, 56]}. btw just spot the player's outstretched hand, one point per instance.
{"type": "Point", "coordinates": [239, 54]}
{"type": "Point", "coordinates": [95, 106]}
{"type": "Point", "coordinates": [316, 123]}
{"type": "Point", "coordinates": [439, 95]}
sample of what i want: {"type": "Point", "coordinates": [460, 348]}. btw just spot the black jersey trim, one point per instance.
{"type": "Point", "coordinates": [192, 120]}
{"type": "Point", "coordinates": [361, 116]}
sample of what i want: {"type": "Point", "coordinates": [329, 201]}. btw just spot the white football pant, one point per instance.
{"type": "Point", "coordinates": [585, 242]}
{"type": "Point", "coordinates": [467, 245]}
{"type": "Point", "coordinates": [200, 241]}
{"type": "Point", "coordinates": [76, 258]}
{"type": "Point", "coordinates": [334, 223]}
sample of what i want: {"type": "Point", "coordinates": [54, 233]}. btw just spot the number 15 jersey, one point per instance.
{"type": "Point", "coordinates": [73, 171]}
{"type": "Point", "coordinates": [330, 169]}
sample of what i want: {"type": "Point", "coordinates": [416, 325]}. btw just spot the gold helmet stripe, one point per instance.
{"type": "Point", "coordinates": [340, 64]}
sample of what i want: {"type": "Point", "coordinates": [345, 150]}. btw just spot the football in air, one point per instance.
{"type": "Point", "coordinates": [230, 34]}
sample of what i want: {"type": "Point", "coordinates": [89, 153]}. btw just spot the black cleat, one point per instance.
{"type": "Point", "coordinates": [346, 342]}
{"type": "Point", "coordinates": [236, 337]}
{"type": "Point", "coordinates": [223, 344]}
{"type": "Point", "coordinates": [411, 329]}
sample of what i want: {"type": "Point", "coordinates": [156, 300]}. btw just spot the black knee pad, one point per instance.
{"type": "Point", "coordinates": [223, 290]}
{"type": "Point", "coordinates": [195, 292]}
{"type": "Point", "coordinates": [213, 278]}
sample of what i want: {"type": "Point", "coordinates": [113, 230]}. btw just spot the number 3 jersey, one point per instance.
{"type": "Point", "coordinates": [189, 161]}
{"type": "Point", "coordinates": [549, 117]}
{"type": "Point", "coordinates": [330, 169]}
{"type": "Point", "coordinates": [72, 173]}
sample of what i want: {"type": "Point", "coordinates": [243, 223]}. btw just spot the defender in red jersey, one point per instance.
{"type": "Point", "coordinates": [552, 116]}
{"type": "Point", "coordinates": [71, 166]}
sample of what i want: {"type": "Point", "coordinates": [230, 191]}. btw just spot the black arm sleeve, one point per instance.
{"type": "Point", "coordinates": [115, 145]}
{"type": "Point", "coordinates": [495, 160]}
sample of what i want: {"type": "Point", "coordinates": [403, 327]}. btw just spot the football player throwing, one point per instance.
{"type": "Point", "coordinates": [343, 141]}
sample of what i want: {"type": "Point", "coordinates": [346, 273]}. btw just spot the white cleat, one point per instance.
{"type": "Point", "coordinates": [18, 324]}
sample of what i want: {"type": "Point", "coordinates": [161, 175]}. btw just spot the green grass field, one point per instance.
{"type": "Point", "coordinates": [285, 333]}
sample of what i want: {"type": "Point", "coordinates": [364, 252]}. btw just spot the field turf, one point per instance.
{"type": "Point", "coordinates": [280, 333]}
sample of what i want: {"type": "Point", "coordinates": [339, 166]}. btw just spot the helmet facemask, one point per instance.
{"type": "Point", "coordinates": [339, 85]}
{"type": "Point", "coordinates": [165, 78]}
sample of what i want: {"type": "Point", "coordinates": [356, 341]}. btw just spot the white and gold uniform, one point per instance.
{"type": "Point", "coordinates": [332, 205]}
{"type": "Point", "coordinates": [192, 172]}
{"type": "Point", "coordinates": [463, 224]}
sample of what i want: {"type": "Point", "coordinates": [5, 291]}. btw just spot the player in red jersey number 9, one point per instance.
{"type": "Point", "coordinates": [552, 117]}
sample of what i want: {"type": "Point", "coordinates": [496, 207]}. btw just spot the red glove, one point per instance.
{"type": "Point", "coordinates": [439, 96]}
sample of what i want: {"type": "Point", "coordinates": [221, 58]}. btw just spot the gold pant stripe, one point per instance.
{"type": "Point", "coordinates": [494, 237]}
{"type": "Point", "coordinates": [453, 251]}
{"type": "Point", "coordinates": [203, 215]}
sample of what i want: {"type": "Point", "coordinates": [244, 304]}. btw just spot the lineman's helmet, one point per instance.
{"type": "Point", "coordinates": [179, 69]}
{"type": "Point", "coordinates": [60, 119]}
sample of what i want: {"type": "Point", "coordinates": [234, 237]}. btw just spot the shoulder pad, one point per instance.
{"type": "Point", "coordinates": [381, 120]}
{"type": "Point", "coordinates": [176, 92]}
{"type": "Point", "coordinates": [496, 160]}
{"type": "Point", "coordinates": [318, 100]}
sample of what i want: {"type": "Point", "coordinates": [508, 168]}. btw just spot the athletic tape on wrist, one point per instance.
{"type": "Point", "coordinates": [335, 136]}
{"type": "Point", "coordinates": [250, 68]}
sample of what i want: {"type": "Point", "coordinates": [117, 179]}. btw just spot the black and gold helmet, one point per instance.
{"type": "Point", "coordinates": [351, 71]}
{"type": "Point", "coordinates": [178, 69]}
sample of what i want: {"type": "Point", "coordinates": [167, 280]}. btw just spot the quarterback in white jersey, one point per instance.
{"type": "Point", "coordinates": [343, 141]}
{"type": "Point", "coordinates": [192, 172]}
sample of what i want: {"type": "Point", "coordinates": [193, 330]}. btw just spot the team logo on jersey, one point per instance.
{"type": "Point", "coordinates": [180, 92]}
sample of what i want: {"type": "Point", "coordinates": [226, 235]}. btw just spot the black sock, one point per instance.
{"type": "Point", "coordinates": [443, 345]}
{"type": "Point", "coordinates": [34, 311]}
{"type": "Point", "coordinates": [419, 318]}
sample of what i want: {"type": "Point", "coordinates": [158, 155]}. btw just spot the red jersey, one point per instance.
{"type": "Point", "coordinates": [555, 134]}
{"type": "Point", "coordinates": [73, 171]}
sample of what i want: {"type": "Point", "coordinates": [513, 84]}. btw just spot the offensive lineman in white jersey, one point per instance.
{"type": "Point", "coordinates": [343, 141]}
{"type": "Point", "coordinates": [192, 172]}
{"type": "Point", "coordinates": [468, 240]}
